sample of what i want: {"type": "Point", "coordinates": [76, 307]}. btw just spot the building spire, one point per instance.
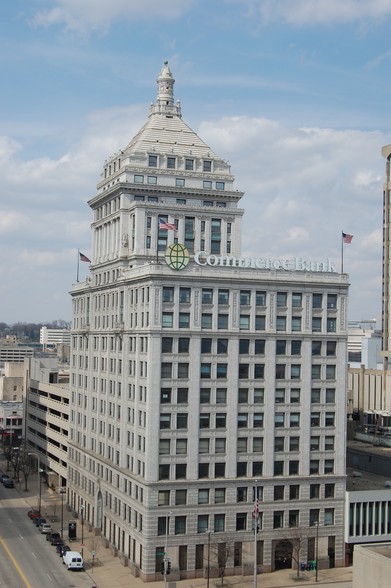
{"type": "Point", "coordinates": [165, 94]}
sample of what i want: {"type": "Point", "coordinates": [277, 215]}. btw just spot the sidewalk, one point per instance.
{"type": "Point", "coordinates": [108, 571]}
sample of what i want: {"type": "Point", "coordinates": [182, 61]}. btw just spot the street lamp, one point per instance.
{"type": "Point", "coordinates": [39, 479]}
{"type": "Point", "coordinates": [166, 547]}
{"type": "Point", "coordinates": [316, 551]}
{"type": "Point", "coordinates": [256, 520]}
{"type": "Point", "coordinates": [208, 568]}
{"type": "Point", "coordinates": [62, 491]}
{"type": "Point", "coordinates": [82, 528]}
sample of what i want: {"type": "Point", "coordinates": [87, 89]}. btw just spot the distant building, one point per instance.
{"type": "Point", "coordinates": [54, 337]}
{"type": "Point", "coordinates": [12, 382]}
{"type": "Point", "coordinates": [11, 422]}
{"type": "Point", "coordinates": [14, 353]}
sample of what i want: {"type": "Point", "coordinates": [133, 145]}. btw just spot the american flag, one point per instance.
{"type": "Point", "coordinates": [256, 509]}
{"type": "Point", "coordinates": [83, 257]}
{"type": "Point", "coordinates": [166, 226]}
{"type": "Point", "coordinates": [347, 238]}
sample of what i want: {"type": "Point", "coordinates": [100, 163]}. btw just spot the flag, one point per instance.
{"type": "Point", "coordinates": [83, 257]}
{"type": "Point", "coordinates": [256, 509]}
{"type": "Point", "coordinates": [165, 226]}
{"type": "Point", "coordinates": [347, 238]}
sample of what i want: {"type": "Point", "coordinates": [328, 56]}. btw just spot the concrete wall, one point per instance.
{"type": "Point", "coordinates": [372, 566]}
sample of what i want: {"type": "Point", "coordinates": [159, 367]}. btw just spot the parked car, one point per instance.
{"type": "Point", "coordinates": [54, 537]}
{"type": "Point", "coordinates": [38, 521]}
{"type": "Point", "coordinates": [73, 560]}
{"type": "Point", "coordinates": [45, 528]}
{"type": "Point", "coordinates": [34, 514]}
{"type": "Point", "coordinates": [57, 542]}
{"type": "Point", "coordinates": [4, 477]}
{"type": "Point", "coordinates": [8, 483]}
{"type": "Point", "coordinates": [62, 549]}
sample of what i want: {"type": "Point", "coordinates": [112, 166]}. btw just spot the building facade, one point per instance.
{"type": "Point", "coordinates": [201, 379]}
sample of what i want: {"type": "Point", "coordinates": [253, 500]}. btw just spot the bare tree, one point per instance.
{"type": "Point", "coordinates": [294, 543]}
{"type": "Point", "coordinates": [25, 464]}
{"type": "Point", "coordinates": [222, 553]}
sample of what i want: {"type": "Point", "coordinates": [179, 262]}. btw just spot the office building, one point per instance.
{"type": "Point", "coordinates": [200, 378]}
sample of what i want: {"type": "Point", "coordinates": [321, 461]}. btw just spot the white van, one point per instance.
{"type": "Point", "coordinates": [73, 560]}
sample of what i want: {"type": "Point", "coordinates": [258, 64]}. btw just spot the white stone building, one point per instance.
{"type": "Point", "coordinates": [198, 375]}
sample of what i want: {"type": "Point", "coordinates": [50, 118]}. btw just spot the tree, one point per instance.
{"type": "Point", "coordinates": [25, 464]}
{"type": "Point", "coordinates": [294, 542]}
{"type": "Point", "coordinates": [222, 553]}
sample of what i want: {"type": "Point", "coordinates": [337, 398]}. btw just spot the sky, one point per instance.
{"type": "Point", "coordinates": [295, 94]}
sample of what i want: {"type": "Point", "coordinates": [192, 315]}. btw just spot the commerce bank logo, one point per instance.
{"type": "Point", "coordinates": [177, 256]}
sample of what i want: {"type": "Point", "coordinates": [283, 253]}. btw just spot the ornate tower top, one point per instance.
{"type": "Point", "coordinates": [165, 94]}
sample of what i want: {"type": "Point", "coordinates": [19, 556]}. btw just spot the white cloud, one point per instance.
{"type": "Point", "coordinates": [85, 15]}
{"type": "Point", "coordinates": [313, 12]}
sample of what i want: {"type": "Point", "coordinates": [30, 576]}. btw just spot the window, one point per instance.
{"type": "Point", "coordinates": [166, 344]}
{"type": "Point", "coordinates": [207, 185]}
{"type": "Point", "coordinates": [280, 347]}
{"type": "Point", "coordinates": [179, 182]}
{"type": "Point", "coordinates": [278, 519]}
{"type": "Point", "coordinates": [332, 301]}
{"type": "Point", "coordinates": [168, 295]}
{"type": "Point", "coordinates": [183, 344]}
{"type": "Point", "coordinates": [329, 490]}
{"type": "Point", "coordinates": [314, 517]}
{"type": "Point", "coordinates": [204, 421]}
{"type": "Point", "coordinates": [161, 525]}
{"type": "Point", "coordinates": [206, 345]}
{"type": "Point", "coordinates": [223, 296]}
{"type": "Point", "coordinates": [207, 296]}
{"type": "Point", "coordinates": [280, 371]}
{"type": "Point", "coordinates": [219, 523]}
{"type": "Point", "coordinates": [183, 370]}
{"type": "Point", "coordinates": [296, 347]}
{"type": "Point", "coordinates": [258, 420]}
{"type": "Point", "coordinates": [259, 395]}
{"type": "Point", "coordinates": [279, 419]}
{"type": "Point", "coordinates": [316, 324]}
{"type": "Point", "coordinates": [244, 346]}
{"type": "Point", "coordinates": [164, 472]}
{"type": "Point", "coordinates": [279, 492]}
{"type": "Point", "coordinates": [189, 164]}
{"type": "Point", "coordinates": [164, 447]}
{"type": "Point", "coordinates": [314, 491]}
{"type": "Point", "coordinates": [203, 470]}
{"type": "Point", "coordinates": [220, 445]}
{"type": "Point", "coordinates": [314, 443]}
{"type": "Point", "coordinates": [259, 347]}
{"type": "Point", "coordinates": [260, 323]}
{"type": "Point", "coordinates": [315, 395]}
{"type": "Point", "coordinates": [328, 466]}
{"type": "Point", "coordinates": [167, 320]}
{"type": "Point", "coordinates": [296, 300]}
{"type": "Point", "coordinates": [330, 372]}
{"type": "Point", "coordinates": [316, 372]}
{"type": "Point", "coordinates": [279, 444]}
{"type": "Point", "coordinates": [165, 421]}
{"type": "Point", "coordinates": [294, 492]}
{"type": "Point", "coordinates": [166, 370]}
{"type": "Point", "coordinates": [221, 420]}
{"type": "Point", "coordinates": [260, 298]}
{"type": "Point", "coordinates": [241, 494]}
{"type": "Point", "coordinates": [220, 185]}
{"type": "Point", "coordinates": [152, 180]}
{"type": "Point", "coordinates": [278, 468]}
{"type": "Point", "coordinates": [241, 445]}
{"type": "Point", "coordinates": [180, 525]}
{"type": "Point", "coordinates": [221, 396]}
{"type": "Point", "coordinates": [280, 395]}
{"type": "Point", "coordinates": [329, 516]}
{"type": "Point", "coordinates": [205, 396]}
{"type": "Point", "coordinates": [152, 160]}
{"type": "Point", "coordinates": [314, 467]}
{"type": "Point", "coordinates": [243, 396]}
{"type": "Point", "coordinates": [296, 323]}
{"type": "Point", "coordinates": [294, 444]}
{"type": "Point", "coordinates": [206, 321]}
{"type": "Point", "coordinates": [171, 162]}
{"type": "Point", "coordinates": [221, 370]}
{"type": "Point", "coordinates": [206, 370]}
{"type": "Point", "coordinates": [294, 419]}
{"type": "Point", "coordinates": [244, 322]}
{"type": "Point", "coordinates": [207, 165]}
{"type": "Point", "coordinates": [329, 443]}
{"type": "Point", "coordinates": [316, 300]}
{"type": "Point", "coordinates": [182, 395]}
{"type": "Point", "coordinates": [138, 179]}
{"type": "Point", "coordinates": [329, 419]}
{"type": "Point", "coordinates": [245, 296]}
{"type": "Point", "coordinates": [184, 320]}
{"type": "Point", "coordinates": [165, 395]}
{"type": "Point", "coordinates": [220, 496]}
{"type": "Point", "coordinates": [203, 446]}
{"type": "Point", "coordinates": [164, 498]}
{"type": "Point", "coordinates": [222, 321]}
{"type": "Point", "coordinates": [180, 497]}
{"type": "Point", "coordinates": [203, 496]}
{"type": "Point", "coordinates": [219, 470]}
{"type": "Point", "coordinates": [181, 420]}
{"type": "Point", "coordinates": [316, 347]}
{"type": "Point", "coordinates": [315, 419]}
{"type": "Point", "coordinates": [241, 521]}
{"type": "Point", "coordinates": [184, 295]}
{"type": "Point", "coordinates": [257, 444]}
{"type": "Point", "coordinates": [331, 325]}
{"type": "Point", "coordinates": [281, 323]}
{"type": "Point", "coordinates": [295, 372]}
{"type": "Point", "coordinates": [259, 371]}
{"type": "Point", "coordinates": [242, 420]}
{"type": "Point", "coordinates": [281, 299]}
{"type": "Point", "coordinates": [295, 395]}
{"type": "Point", "coordinates": [293, 518]}
{"type": "Point", "coordinates": [331, 348]}
{"type": "Point", "coordinates": [181, 447]}
{"type": "Point", "coordinates": [243, 371]}
{"type": "Point", "coordinates": [202, 523]}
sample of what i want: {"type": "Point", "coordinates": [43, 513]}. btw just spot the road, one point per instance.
{"type": "Point", "coordinates": [27, 560]}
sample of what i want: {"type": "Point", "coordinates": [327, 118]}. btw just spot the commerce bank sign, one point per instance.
{"type": "Point", "coordinates": [295, 264]}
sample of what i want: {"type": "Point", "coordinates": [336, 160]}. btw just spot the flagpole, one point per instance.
{"type": "Point", "coordinates": [157, 241]}
{"type": "Point", "coordinates": [256, 515]}
{"type": "Point", "coordinates": [341, 252]}
{"type": "Point", "coordinates": [78, 262]}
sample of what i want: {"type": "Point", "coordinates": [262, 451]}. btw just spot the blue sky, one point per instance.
{"type": "Point", "coordinates": [294, 93]}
